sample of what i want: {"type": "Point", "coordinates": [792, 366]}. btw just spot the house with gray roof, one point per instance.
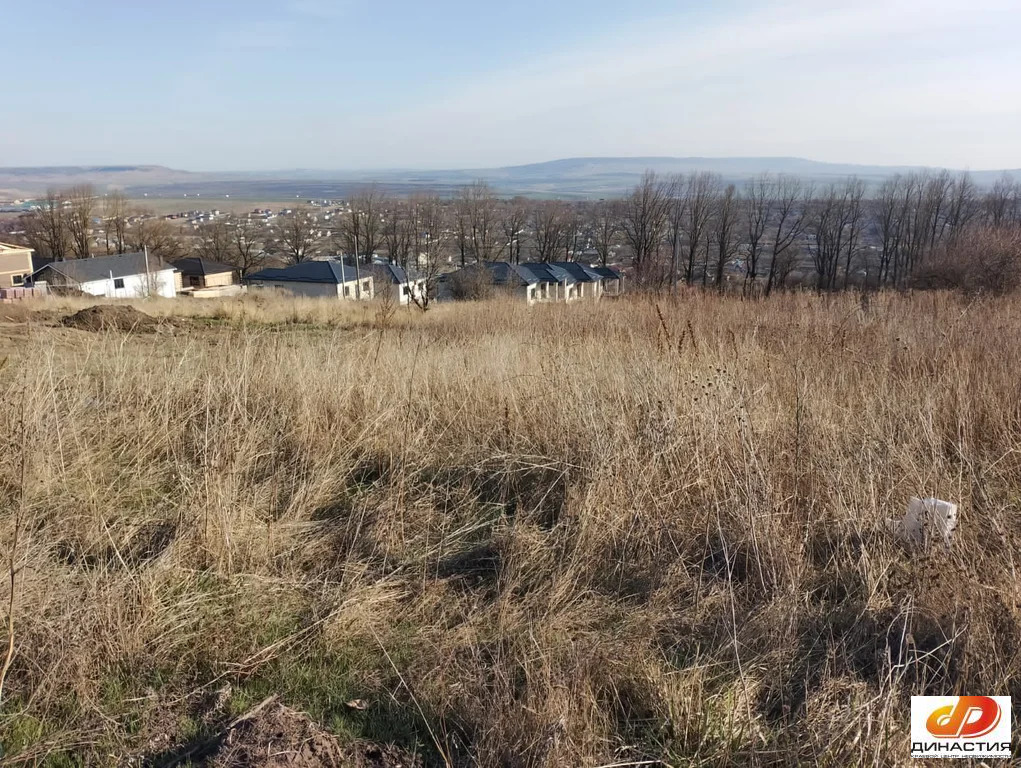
{"type": "Point", "coordinates": [121, 276]}
{"type": "Point", "coordinates": [316, 279]}
{"type": "Point", "coordinates": [403, 286]}
{"type": "Point", "coordinates": [199, 276]}
{"type": "Point", "coordinates": [557, 281]}
{"type": "Point", "coordinates": [589, 282]}
{"type": "Point", "coordinates": [612, 280]}
{"type": "Point", "coordinates": [487, 279]}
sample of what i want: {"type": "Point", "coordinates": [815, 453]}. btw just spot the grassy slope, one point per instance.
{"type": "Point", "coordinates": [560, 536]}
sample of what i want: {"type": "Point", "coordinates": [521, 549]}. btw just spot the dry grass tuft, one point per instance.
{"type": "Point", "coordinates": [576, 535]}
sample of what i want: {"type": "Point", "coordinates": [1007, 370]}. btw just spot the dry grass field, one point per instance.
{"type": "Point", "coordinates": [633, 533]}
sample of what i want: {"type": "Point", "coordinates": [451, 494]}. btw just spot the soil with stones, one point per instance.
{"type": "Point", "coordinates": [112, 318]}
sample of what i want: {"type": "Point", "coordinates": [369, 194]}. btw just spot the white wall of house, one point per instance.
{"type": "Point", "coordinates": [161, 283]}
{"type": "Point", "coordinates": [404, 292]}
{"type": "Point", "coordinates": [317, 290]}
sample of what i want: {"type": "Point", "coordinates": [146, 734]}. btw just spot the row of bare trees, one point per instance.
{"type": "Point", "coordinates": [697, 229]}
{"type": "Point", "coordinates": [77, 223]}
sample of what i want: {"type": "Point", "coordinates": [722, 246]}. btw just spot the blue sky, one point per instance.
{"type": "Point", "coordinates": [226, 85]}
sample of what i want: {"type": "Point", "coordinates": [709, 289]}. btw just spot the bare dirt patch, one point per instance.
{"type": "Point", "coordinates": [112, 318]}
{"type": "Point", "coordinates": [280, 737]}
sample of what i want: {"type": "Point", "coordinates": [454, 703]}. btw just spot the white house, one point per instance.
{"type": "Point", "coordinates": [123, 276]}
{"type": "Point", "coordinates": [325, 279]}
{"type": "Point", "coordinates": [401, 286]}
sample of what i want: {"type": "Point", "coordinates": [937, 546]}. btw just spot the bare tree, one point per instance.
{"type": "Point", "coordinates": [363, 224]}
{"type": "Point", "coordinates": [549, 227]}
{"type": "Point", "coordinates": [605, 226]}
{"type": "Point", "coordinates": [572, 231]}
{"type": "Point", "coordinates": [793, 201]}
{"type": "Point", "coordinates": [855, 222]}
{"type": "Point", "coordinates": [938, 194]}
{"type": "Point", "coordinates": [462, 226]}
{"type": "Point", "coordinates": [216, 240]}
{"type": "Point", "coordinates": [963, 206]}
{"type": "Point", "coordinates": [675, 224]}
{"type": "Point", "coordinates": [46, 229]}
{"type": "Point", "coordinates": [115, 222]}
{"type": "Point", "coordinates": [1003, 202]}
{"type": "Point", "coordinates": [513, 223]}
{"type": "Point", "coordinates": [398, 230]}
{"type": "Point", "coordinates": [886, 218]}
{"type": "Point", "coordinates": [247, 253]}
{"type": "Point", "coordinates": [298, 235]}
{"type": "Point", "coordinates": [760, 197]}
{"type": "Point", "coordinates": [477, 222]}
{"type": "Point", "coordinates": [79, 219]}
{"type": "Point", "coordinates": [644, 221]}
{"type": "Point", "coordinates": [702, 190]}
{"type": "Point", "coordinates": [834, 225]}
{"type": "Point", "coordinates": [158, 237]}
{"type": "Point", "coordinates": [431, 246]}
{"type": "Point", "coordinates": [725, 231]}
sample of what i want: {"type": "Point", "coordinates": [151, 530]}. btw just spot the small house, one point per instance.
{"type": "Point", "coordinates": [483, 280]}
{"type": "Point", "coordinates": [397, 283]}
{"type": "Point", "coordinates": [202, 277]}
{"type": "Point", "coordinates": [15, 265]}
{"type": "Point", "coordinates": [323, 279]}
{"type": "Point", "coordinates": [554, 283]}
{"type": "Point", "coordinates": [612, 280]}
{"type": "Point", "coordinates": [122, 276]}
{"type": "Point", "coordinates": [589, 283]}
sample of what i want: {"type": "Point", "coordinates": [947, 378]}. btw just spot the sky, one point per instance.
{"type": "Point", "coordinates": [216, 85]}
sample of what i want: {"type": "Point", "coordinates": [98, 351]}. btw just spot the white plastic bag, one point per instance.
{"type": "Point", "coordinates": [927, 520]}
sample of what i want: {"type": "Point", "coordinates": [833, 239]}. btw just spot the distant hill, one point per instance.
{"type": "Point", "coordinates": [35, 181]}
{"type": "Point", "coordinates": [570, 177]}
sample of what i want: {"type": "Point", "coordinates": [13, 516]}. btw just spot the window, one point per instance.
{"type": "Point", "coordinates": [365, 287]}
{"type": "Point", "coordinates": [347, 291]}
{"type": "Point", "coordinates": [17, 279]}
{"type": "Point", "coordinates": [405, 291]}
{"type": "Point", "coordinates": [118, 282]}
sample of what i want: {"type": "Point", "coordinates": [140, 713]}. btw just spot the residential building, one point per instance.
{"type": "Point", "coordinates": [325, 279]}
{"type": "Point", "coordinates": [480, 281]}
{"type": "Point", "coordinates": [612, 280]}
{"type": "Point", "coordinates": [400, 285]}
{"type": "Point", "coordinates": [15, 265]}
{"type": "Point", "coordinates": [589, 283]}
{"type": "Point", "coordinates": [123, 276]}
{"type": "Point", "coordinates": [202, 277]}
{"type": "Point", "coordinates": [554, 283]}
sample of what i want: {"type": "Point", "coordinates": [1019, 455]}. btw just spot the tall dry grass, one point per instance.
{"type": "Point", "coordinates": [584, 535]}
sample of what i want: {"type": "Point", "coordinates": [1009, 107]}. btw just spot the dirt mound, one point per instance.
{"type": "Point", "coordinates": [111, 318]}
{"type": "Point", "coordinates": [280, 737]}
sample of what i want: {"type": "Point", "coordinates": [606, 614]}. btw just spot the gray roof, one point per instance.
{"type": "Point", "coordinates": [579, 271]}
{"type": "Point", "coordinates": [392, 273]}
{"type": "Point", "coordinates": [607, 272]}
{"type": "Point", "coordinates": [199, 266]}
{"type": "Point", "coordinates": [101, 267]}
{"type": "Point", "coordinates": [500, 273]}
{"type": "Point", "coordinates": [546, 272]}
{"type": "Point", "coordinates": [311, 272]}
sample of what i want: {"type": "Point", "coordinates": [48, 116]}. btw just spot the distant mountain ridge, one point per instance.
{"type": "Point", "coordinates": [569, 177]}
